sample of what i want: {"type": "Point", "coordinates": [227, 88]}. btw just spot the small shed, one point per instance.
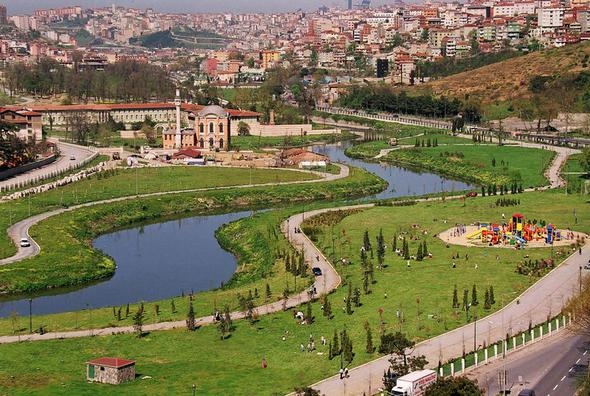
{"type": "Point", "coordinates": [110, 370]}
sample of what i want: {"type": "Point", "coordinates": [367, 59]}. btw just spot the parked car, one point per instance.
{"type": "Point", "coordinates": [526, 392]}
{"type": "Point", "coordinates": [24, 242]}
{"type": "Point", "coordinates": [317, 271]}
{"type": "Point", "coordinates": [72, 157]}
{"type": "Point", "coordinates": [471, 194]}
{"type": "Point", "coordinates": [587, 266]}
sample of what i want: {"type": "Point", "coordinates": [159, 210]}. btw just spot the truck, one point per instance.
{"type": "Point", "coordinates": [414, 383]}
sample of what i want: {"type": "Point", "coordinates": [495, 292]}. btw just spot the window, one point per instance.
{"type": "Point", "coordinates": [201, 143]}
{"type": "Point", "coordinates": [220, 128]}
{"type": "Point", "coordinates": [211, 127]}
{"type": "Point", "coordinates": [201, 128]}
{"type": "Point", "coordinates": [221, 143]}
{"type": "Point", "coordinates": [211, 142]}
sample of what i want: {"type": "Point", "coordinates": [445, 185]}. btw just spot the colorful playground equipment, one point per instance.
{"type": "Point", "coordinates": [517, 232]}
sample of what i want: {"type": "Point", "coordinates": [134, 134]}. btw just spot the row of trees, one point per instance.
{"type": "Point", "coordinates": [124, 80]}
{"type": "Point", "coordinates": [381, 97]}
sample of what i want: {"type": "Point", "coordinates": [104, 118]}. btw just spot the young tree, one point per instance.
{"type": "Point", "coordinates": [243, 129]}
{"type": "Point", "coordinates": [486, 304]}
{"type": "Point", "coordinates": [370, 348]}
{"type": "Point", "coordinates": [327, 311]}
{"type": "Point", "coordinates": [455, 298]}
{"type": "Point", "coordinates": [366, 241]}
{"type": "Point", "coordinates": [172, 306]}
{"type": "Point", "coordinates": [380, 249]}
{"type": "Point", "coordinates": [138, 322]}
{"type": "Point", "coordinates": [465, 300]}
{"type": "Point", "coordinates": [309, 314]}
{"type": "Point", "coordinates": [335, 345]}
{"type": "Point", "coordinates": [346, 342]}
{"type": "Point", "coordinates": [356, 297]}
{"type": "Point", "coordinates": [268, 293]}
{"type": "Point", "coordinates": [474, 295]}
{"type": "Point", "coordinates": [225, 324]}
{"type": "Point", "coordinates": [190, 317]}
{"type": "Point", "coordinates": [492, 298]}
{"type": "Point", "coordinates": [349, 299]}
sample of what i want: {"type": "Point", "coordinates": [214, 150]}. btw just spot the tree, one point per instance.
{"type": "Point", "coordinates": [455, 298]}
{"type": "Point", "coordinates": [14, 151]}
{"type": "Point", "coordinates": [398, 345]}
{"type": "Point", "coordinates": [138, 322]}
{"type": "Point", "coordinates": [335, 345]}
{"type": "Point", "coordinates": [454, 386]}
{"type": "Point", "coordinates": [243, 129]}
{"type": "Point", "coordinates": [149, 132]}
{"type": "Point", "coordinates": [346, 343]}
{"type": "Point", "coordinates": [585, 159]}
{"type": "Point", "coordinates": [306, 391]}
{"type": "Point", "coordinates": [492, 298]}
{"type": "Point", "coordinates": [327, 311]}
{"type": "Point", "coordinates": [225, 323]}
{"type": "Point", "coordinates": [309, 314]}
{"type": "Point", "coordinates": [380, 249]}
{"type": "Point", "coordinates": [370, 348]}
{"type": "Point", "coordinates": [474, 296]}
{"type": "Point", "coordinates": [190, 318]}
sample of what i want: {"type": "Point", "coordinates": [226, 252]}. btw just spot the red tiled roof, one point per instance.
{"type": "Point", "coordinates": [135, 106]}
{"type": "Point", "coordinates": [111, 362]}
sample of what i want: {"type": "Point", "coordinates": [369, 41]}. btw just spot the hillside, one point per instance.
{"type": "Point", "coordinates": [181, 37]}
{"type": "Point", "coordinates": [509, 80]}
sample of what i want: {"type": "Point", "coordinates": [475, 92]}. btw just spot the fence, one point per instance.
{"type": "Point", "coordinates": [18, 185]}
{"type": "Point", "coordinates": [503, 347]}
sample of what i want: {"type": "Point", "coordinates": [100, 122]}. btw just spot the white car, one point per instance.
{"type": "Point", "coordinates": [24, 242]}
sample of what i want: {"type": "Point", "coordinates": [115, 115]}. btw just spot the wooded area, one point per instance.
{"type": "Point", "coordinates": [124, 81]}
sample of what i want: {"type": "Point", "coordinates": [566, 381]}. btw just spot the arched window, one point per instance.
{"type": "Point", "coordinates": [221, 143]}
{"type": "Point", "coordinates": [201, 128]}
{"type": "Point", "coordinates": [220, 128]}
{"type": "Point", "coordinates": [201, 143]}
{"type": "Point", "coordinates": [211, 127]}
{"type": "Point", "coordinates": [211, 142]}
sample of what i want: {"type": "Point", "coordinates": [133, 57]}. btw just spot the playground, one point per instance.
{"type": "Point", "coordinates": [515, 232]}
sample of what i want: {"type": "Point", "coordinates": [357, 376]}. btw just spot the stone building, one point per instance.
{"type": "Point", "coordinates": [110, 370]}
{"type": "Point", "coordinates": [211, 130]}
{"type": "Point", "coordinates": [30, 127]}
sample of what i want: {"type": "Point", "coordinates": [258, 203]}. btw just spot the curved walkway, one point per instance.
{"type": "Point", "coordinates": [21, 229]}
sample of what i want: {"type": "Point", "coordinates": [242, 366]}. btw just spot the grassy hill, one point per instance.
{"type": "Point", "coordinates": [509, 80]}
{"type": "Point", "coordinates": [181, 37]}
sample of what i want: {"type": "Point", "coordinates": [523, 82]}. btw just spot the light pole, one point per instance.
{"type": "Point", "coordinates": [194, 389]}
{"type": "Point", "coordinates": [474, 333]}
{"type": "Point", "coordinates": [30, 315]}
{"type": "Point", "coordinates": [580, 279]}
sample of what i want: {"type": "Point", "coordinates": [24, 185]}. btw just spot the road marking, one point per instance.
{"type": "Point", "coordinates": [570, 370]}
{"type": "Point", "coordinates": [555, 387]}
{"type": "Point", "coordinates": [585, 352]}
{"type": "Point", "coordinates": [562, 378]}
{"type": "Point", "coordinates": [578, 361]}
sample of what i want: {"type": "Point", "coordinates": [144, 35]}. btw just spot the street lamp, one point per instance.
{"type": "Point", "coordinates": [474, 333]}
{"type": "Point", "coordinates": [194, 389]}
{"type": "Point", "coordinates": [30, 315]}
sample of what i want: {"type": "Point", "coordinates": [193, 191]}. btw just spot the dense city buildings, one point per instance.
{"type": "Point", "coordinates": [235, 48]}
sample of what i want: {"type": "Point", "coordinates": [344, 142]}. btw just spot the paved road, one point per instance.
{"type": "Point", "coordinates": [548, 367]}
{"type": "Point", "coordinates": [21, 229]}
{"type": "Point", "coordinates": [62, 164]}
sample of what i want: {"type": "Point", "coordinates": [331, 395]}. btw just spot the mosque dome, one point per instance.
{"type": "Point", "coordinates": [213, 109]}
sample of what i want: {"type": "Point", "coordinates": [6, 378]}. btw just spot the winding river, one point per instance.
{"type": "Point", "coordinates": [167, 259]}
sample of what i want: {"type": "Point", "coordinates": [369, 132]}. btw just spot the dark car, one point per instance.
{"type": "Point", "coordinates": [526, 392]}
{"type": "Point", "coordinates": [317, 271]}
{"type": "Point", "coordinates": [471, 194]}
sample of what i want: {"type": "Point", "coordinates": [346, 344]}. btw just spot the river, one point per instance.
{"type": "Point", "coordinates": [163, 260]}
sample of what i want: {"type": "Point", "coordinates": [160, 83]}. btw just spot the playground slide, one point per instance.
{"type": "Point", "coordinates": [474, 234]}
{"type": "Point", "coordinates": [520, 240]}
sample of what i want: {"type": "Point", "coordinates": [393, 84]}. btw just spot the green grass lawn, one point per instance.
{"type": "Point", "coordinates": [481, 164]}
{"type": "Point", "coordinates": [497, 111]}
{"type": "Point", "coordinates": [176, 359]}
{"type": "Point", "coordinates": [575, 181]}
{"type": "Point", "coordinates": [71, 261]}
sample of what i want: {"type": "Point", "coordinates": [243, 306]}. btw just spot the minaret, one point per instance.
{"type": "Point", "coordinates": [178, 136]}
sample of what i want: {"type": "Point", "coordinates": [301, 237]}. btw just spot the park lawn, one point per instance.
{"type": "Point", "coordinates": [76, 262]}
{"type": "Point", "coordinates": [368, 150]}
{"type": "Point", "coordinates": [128, 182]}
{"type": "Point", "coordinates": [253, 142]}
{"type": "Point", "coordinates": [475, 163]}
{"type": "Point", "coordinates": [575, 181]}
{"type": "Point", "coordinates": [176, 359]}
{"type": "Point", "coordinates": [497, 111]}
